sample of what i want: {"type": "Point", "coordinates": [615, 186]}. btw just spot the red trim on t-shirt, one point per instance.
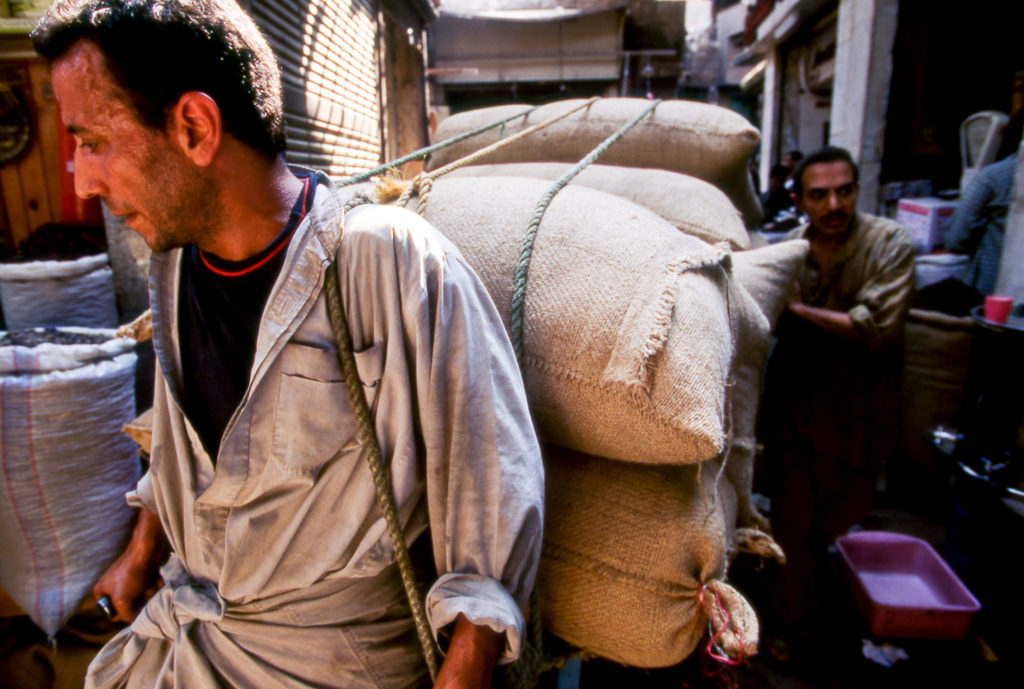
{"type": "Point", "coordinates": [294, 223]}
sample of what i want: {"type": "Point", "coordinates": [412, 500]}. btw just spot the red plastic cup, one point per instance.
{"type": "Point", "coordinates": [997, 308]}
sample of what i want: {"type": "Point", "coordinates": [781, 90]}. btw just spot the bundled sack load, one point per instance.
{"type": "Point", "coordinates": [694, 206]}
{"type": "Point", "coordinates": [634, 558]}
{"type": "Point", "coordinates": [66, 465]}
{"type": "Point", "coordinates": [626, 327]}
{"type": "Point", "coordinates": [706, 141]}
{"type": "Point", "coordinates": [78, 292]}
{"type": "Point", "coordinates": [765, 281]}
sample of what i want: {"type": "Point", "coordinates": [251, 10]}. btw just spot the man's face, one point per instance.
{"type": "Point", "coordinates": [137, 170]}
{"type": "Point", "coordinates": [829, 197]}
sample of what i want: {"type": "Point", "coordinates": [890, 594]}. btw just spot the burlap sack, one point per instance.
{"type": "Point", "coordinates": [765, 280]}
{"type": "Point", "coordinates": [752, 346]}
{"type": "Point", "coordinates": [706, 141]}
{"type": "Point", "coordinates": [768, 273]}
{"type": "Point", "coordinates": [626, 331]}
{"type": "Point", "coordinates": [936, 349]}
{"type": "Point", "coordinates": [628, 553]}
{"type": "Point", "coordinates": [693, 205]}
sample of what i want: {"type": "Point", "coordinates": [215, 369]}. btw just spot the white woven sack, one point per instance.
{"type": "Point", "coordinates": [66, 469]}
{"type": "Point", "coordinates": [694, 206]}
{"type": "Point", "coordinates": [626, 329]}
{"type": "Point", "coordinates": [59, 293]}
{"type": "Point", "coordinates": [707, 141]}
{"type": "Point", "coordinates": [764, 281]}
{"type": "Point", "coordinates": [63, 357]}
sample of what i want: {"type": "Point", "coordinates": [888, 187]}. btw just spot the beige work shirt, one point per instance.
{"type": "Point", "coordinates": [871, 278]}
{"type": "Point", "coordinates": [282, 573]}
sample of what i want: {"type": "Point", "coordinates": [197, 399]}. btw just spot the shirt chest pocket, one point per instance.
{"type": "Point", "coordinates": [314, 418]}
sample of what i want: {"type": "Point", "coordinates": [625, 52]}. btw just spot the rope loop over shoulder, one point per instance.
{"type": "Point", "coordinates": [381, 477]}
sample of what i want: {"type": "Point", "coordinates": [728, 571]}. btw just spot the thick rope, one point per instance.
{"type": "Point", "coordinates": [423, 183]}
{"type": "Point", "coordinates": [519, 289]}
{"type": "Point", "coordinates": [424, 152]}
{"type": "Point", "coordinates": [381, 479]}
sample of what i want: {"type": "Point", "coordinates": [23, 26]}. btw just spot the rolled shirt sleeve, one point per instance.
{"type": "Point", "coordinates": [884, 299]}
{"type": "Point", "coordinates": [142, 496]}
{"type": "Point", "coordinates": [484, 601]}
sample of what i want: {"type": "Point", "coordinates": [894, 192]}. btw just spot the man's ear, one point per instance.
{"type": "Point", "coordinates": [196, 127]}
{"type": "Point", "coordinates": [796, 202]}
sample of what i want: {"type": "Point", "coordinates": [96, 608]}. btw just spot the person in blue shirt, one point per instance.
{"type": "Point", "coordinates": [979, 222]}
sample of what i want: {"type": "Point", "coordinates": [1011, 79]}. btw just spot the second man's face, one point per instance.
{"type": "Point", "coordinates": [829, 197]}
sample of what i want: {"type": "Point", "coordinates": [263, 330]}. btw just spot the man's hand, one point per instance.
{"type": "Point", "coordinates": [133, 573]}
{"type": "Point", "coordinates": [837, 323]}
{"type": "Point", "coordinates": [472, 655]}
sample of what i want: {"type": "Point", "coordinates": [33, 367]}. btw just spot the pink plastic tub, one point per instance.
{"type": "Point", "coordinates": [903, 588]}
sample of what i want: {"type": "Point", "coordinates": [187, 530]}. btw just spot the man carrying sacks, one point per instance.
{"type": "Point", "coordinates": [829, 403]}
{"type": "Point", "coordinates": [281, 572]}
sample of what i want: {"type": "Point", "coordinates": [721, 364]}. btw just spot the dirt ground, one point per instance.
{"type": "Point", "coordinates": [29, 661]}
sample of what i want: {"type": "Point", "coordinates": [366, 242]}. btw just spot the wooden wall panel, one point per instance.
{"type": "Point", "coordinates": [31, 183]}
{"type": "Point", "coordinates": [48, 121]}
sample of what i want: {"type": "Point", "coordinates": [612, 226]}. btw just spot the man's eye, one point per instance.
{"type": "Point", "coordinates": [817, 195]}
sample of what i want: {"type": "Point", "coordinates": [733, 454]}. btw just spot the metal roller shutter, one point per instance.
{"type": "Point", "coordinates": [328, 53]}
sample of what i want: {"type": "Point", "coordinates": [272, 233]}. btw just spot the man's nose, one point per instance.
{"type": "Point", "coordinates": [833, 200]}
{"type": "Point", "coordinates": [88, 181]}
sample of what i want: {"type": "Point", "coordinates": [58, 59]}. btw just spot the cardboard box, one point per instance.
{"type": "Point", "coordinates": [924, 218]}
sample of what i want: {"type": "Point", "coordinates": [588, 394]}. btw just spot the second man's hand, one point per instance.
{"type": "Point", "coordinates": [132, 576]}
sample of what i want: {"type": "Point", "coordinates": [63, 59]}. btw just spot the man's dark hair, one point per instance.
{"type": "Point", "coordinates": [158, 50]}
{"type": "Point", "coordinates": [829, 154]}
{"type": "Point", "coordinates": [778, 171]}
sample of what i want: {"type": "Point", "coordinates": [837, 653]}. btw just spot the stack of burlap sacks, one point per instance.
{"type": "Point", "coordinates": [646, 328]}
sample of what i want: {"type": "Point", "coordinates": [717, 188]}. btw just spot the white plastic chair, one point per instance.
{"type": "Point", "coordinates": [980, 137]}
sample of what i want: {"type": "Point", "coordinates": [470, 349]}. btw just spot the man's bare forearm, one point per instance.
{"type": "Point", "coordinates": [472, 655]}
{"type": "Point", "coordinates": [133, 572]}
{"type": "Point", "coordinates": [148, 543]}
{"type": "Point", "coordinates": [837, 323]}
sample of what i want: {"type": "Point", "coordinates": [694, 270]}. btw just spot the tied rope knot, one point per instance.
{"type": "Point", "coordinates": [182, 601]}
{"type": "Point", "coordinates": [732, 623]}
{"type": "Point", "coordinates": [421, 185]}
